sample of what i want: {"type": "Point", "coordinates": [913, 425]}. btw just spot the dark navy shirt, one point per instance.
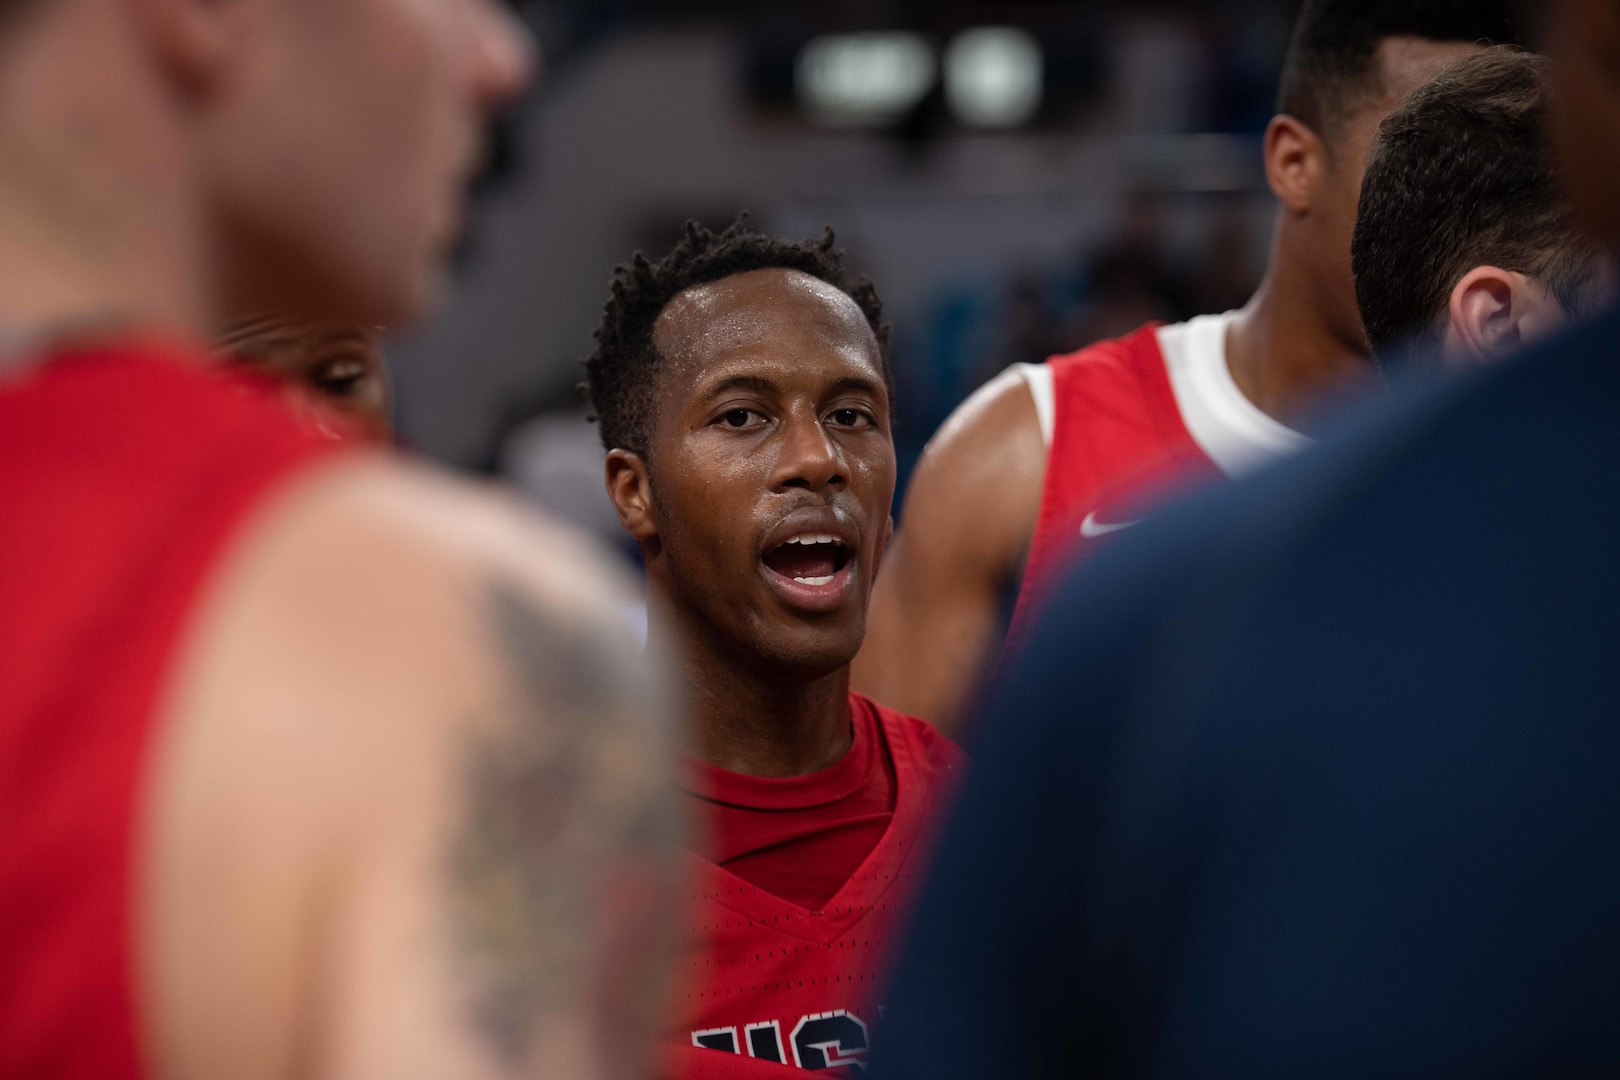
{"type": "Point", "coordinates": [1318, 775]}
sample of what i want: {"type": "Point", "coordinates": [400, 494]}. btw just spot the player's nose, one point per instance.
{"type": "Point", "coordinates": [504, 57]}
{"type": "Point", "coordinates": [809, 457]}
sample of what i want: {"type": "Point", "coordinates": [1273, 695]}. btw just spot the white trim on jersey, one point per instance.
{"type": "Point", "coordinates": [1038, 377]}
{"type": "Point", "coordinates": [1235, 432]}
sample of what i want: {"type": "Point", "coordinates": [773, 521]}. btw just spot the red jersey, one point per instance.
{"type": "Point", "coordinates": [802, 837]}
{"type": "Point", "coordinates": [1125, 422]}
{"type": "Point", "coordinates": [124, 472]}
{"type": "Point", "coordinates": [770, 985]}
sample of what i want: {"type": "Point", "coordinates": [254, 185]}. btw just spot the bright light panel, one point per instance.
{"type": "Point", "coordinates": [993, 76]}
{"type": "Point", "coordinates": [858, 80]}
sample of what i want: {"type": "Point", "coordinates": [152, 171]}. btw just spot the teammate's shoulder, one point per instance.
{"type": "Point", "coordinates": [1139, 346]}
{"type": "Point", "coordinates": [375, 610]}
{"type": "Point", "coordinates": [992, 415]}
{"type": "Point", "coordinates": [376, 589]}
{"type": "Point", "coordinates": [993, 443]}
{"type": "Point", "coordinates": [1208, 552]}
{"type": "Point", "coordinates": [368, 506]}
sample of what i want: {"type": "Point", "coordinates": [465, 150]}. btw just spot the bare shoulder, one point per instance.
{"type": "Point", "coordinates": [417, 687]}
{"type": "Point", "coordinates": [392, 516]}
{"type": "Point", "coordinates": [980, 478]}
{"type": "Point", "coordinates": [384, 590]}
{"type": "Point", "coordinates": [967, 522]}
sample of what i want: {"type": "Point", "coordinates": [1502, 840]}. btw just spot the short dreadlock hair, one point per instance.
{"type": "Point", "coordinates": [621, 374]}
{"type": "Point", "coordinates": [1332, 66]}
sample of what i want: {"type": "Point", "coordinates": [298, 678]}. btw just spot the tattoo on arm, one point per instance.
{"type": "Point", "coordinates": [570, 784]}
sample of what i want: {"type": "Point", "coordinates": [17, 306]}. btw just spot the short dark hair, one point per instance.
{"type": "Point", "coordinates": [1461, 176]}
{"type": "Point", "coordinates": [1332, 65]}
{"type": "Point", "coordinates": [620, 374]}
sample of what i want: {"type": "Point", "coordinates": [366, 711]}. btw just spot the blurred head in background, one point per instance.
{"type": "Point", "coordinates": [1465, 247]}
{"type": "Point", "coordinates": [1583, 39]}
{"type": "Point", "coordinates": [1349, 63]}
{"type": "Point", "coordinates": [340, 365]}
{"type": "Point", "coordinates": [340, 152]}
{"type": "Point", "coordinates": [183, 158]}
{"type": "Point", "coordinates": [742, 385]}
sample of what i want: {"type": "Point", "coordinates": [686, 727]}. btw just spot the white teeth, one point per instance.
{"type": "Point", "coordinates": [815, 538]}
{"type": "Point", "coordinates": [815, 580]}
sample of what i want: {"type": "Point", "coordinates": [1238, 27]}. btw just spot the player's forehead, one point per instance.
{"type": "Point", "coordinates": [774, 321]}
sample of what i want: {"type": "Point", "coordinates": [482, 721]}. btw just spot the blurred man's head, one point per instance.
{"type": "Point", "coordinates": [340, 365]}
{"type": "Point", "coordinates": [316, 150]}
{"type": "Point", "coordinates": [341, 139]}
{"type": "Point", "coordinates": [1583, 39]}
{"type": "Point", "coordinates": [1466, 247]}
{"type": "Point", "coordinates": [1350, 62]}
{"type": "Point", "coordinates": [743, 390]}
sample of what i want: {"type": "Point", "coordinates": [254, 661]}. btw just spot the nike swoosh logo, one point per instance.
{"type": "Point", "coordinates": [1091, 528]}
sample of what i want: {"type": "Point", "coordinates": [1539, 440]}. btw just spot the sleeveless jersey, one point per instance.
{"type": "Point", "coordinates": [124, 470]}
{"type": "Point", "coordinates": [1129, 421]}
{"type": "Point", "coordinates": [769, 988]}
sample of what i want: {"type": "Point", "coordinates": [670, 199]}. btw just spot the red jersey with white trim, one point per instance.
{"type": "Point", "coordinates": [1128, 422]}
{"type": "Point", "coordinates": [1117, 434]}
{"type": "Point", "coordinates": [770, 986]}
{"type": "Point", "coordinates": [125, 471]}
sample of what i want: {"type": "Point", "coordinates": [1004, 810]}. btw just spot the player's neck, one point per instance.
{"type": "Point", "coordinates": [96, 219]}
{"type": "Point", "coordinates": [747, 719]}
{"type": "Point", "coordinates": [1284, 356]}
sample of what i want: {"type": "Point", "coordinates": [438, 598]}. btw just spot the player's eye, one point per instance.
{"type": "Point", "coordinates": [339, 378]}
{"type": "Point", "coordinates": [739, 418]}
{"type": "Point", "coordinates": [849, 418]}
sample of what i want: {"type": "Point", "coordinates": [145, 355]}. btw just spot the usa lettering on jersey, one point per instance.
{"type": "Point", "coordinates": [827, 1040]}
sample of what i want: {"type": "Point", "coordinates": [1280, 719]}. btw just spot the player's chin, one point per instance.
{"type": "Point", "coordinates": [811, 652]}
{"type": "Point", "coordinates": [814, 643]}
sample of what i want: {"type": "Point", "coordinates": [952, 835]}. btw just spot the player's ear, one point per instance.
{"type": "Point", "coordinates": [1493, 311]}
{"type": "Point", "coordinates": [1295, 159]}
{"type": "Point", "coordinates": [631, 491]}
{"type": "Point", "coordinates": [199, 41]}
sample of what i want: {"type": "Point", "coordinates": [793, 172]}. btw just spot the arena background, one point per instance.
{"type": "Point", "coordinates": [1018, 179]}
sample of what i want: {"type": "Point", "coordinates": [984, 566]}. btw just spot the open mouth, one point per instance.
{"type": "Point", "coordinates": [812, 559]}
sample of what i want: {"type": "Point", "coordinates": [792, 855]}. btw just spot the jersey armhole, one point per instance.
{"type": "Point", "coordinates": [1038, 377]}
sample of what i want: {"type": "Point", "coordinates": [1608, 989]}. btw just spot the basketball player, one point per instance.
{"type": "Point", "coordinates": [312, 762]}
{"type": "Point", "coordinates": [1047, 457]}
{"type": "Point", "coordinates": [1465, 247]}
{"type": "Point", "coordinates": [743, 390]}
{"type": "Point", "coordinates": [338, 365]}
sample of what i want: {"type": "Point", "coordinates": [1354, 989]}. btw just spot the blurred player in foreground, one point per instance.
{"type": "Point", "coordinates": [1466, 248]}
{"type": "Point", "coordinates": [1047, 457]}
{"type": "Point", "coordinates": [338, 365]}
{"type": "Point", "coordinates": [1316, 777]}
{"type": "Point", "coordinates": [743, 388]}
{"type": "Point", "coordinates": [312, 762]}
